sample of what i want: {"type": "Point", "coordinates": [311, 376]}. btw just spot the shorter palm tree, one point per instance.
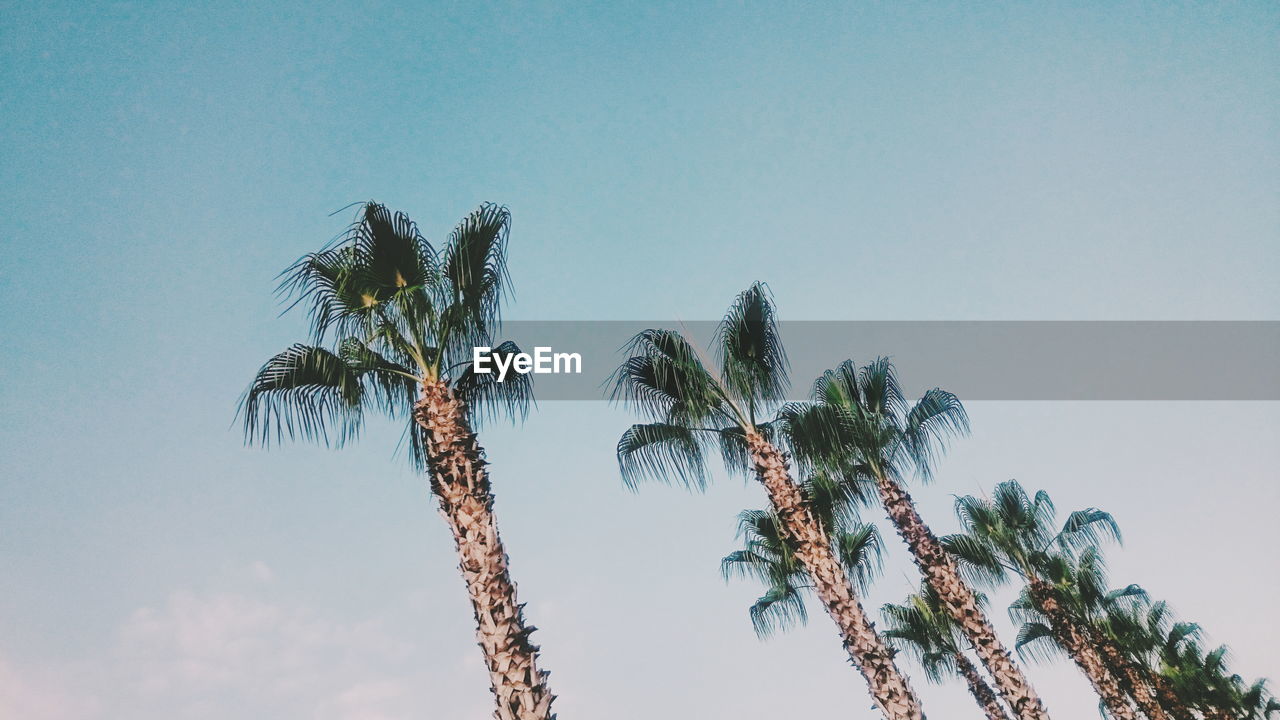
{"type": "Point", "coordinates": [1081, 585]}
{"type": "Point", "coordinates": [861, 424]}
{"type": "Point", "coordinates": [767, 557]}
{"type": "Point", "coordinates": [1207, 684]}
{"type": "Point", "coordinates": [922, 627]}
{"type": "Point", "coordinates": [1014, 535]}
{"type": "Point", "coordinates": [694, 406]}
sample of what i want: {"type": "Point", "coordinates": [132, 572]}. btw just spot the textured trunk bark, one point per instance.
{"type": "Point", "coordinates": [461, 484]}
{"type": "Point", "coordinates": [1081, 651]}
{"type": "Point", "coordinates": [812, 544]}
{"type": "Point", "coordinates": [1134, 682]}
{"type": "Point", "coordinates": [940, 571]}
{"type": "Point", "coordinates": [980, 690]}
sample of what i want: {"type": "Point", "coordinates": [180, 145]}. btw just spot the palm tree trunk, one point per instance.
{"type": "Point", "coordinates": [868, 651]}
{"type": "Point", "coordinates": [1136, 685]}
{"type": "Point", "coordinates": [1081, 651]}
{"type": "Point", "coordinates": [980, 690]}
{"type": "Point", "coordinates": [940, 571]}
{"type": "Point", "coordinates": [461, 484]}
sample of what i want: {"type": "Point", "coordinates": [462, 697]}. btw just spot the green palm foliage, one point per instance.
{"type": "Point", "coordinates": [861, 423]}
{"type": "Point", "coordinates": [1081, 585]}
{"type": "Point", "coordinates": [388, 312]}
{"type": "Point", "coordinates": [698, 406]}
{"type": "Point", "coordinates": [923, 628]}
{"type": "Point", "coordinates": [1015, 535]}
{"type": "Point", "coordinates": [1170, 652]}
{"type": "Point", "coordinates": [768, 558]}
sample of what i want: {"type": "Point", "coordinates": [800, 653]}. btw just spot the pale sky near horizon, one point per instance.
{"type": "Point", "coordinates": [163, 161]}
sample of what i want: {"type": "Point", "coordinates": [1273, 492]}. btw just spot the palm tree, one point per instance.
{"type": "Point", "coordinates": [1141, 630]}
{"type": "Point", "coordinates": [768, 558]}
{"type": "Point", "coordinates": [1190, 682]}
{"type": "Point", "coordinates": [923, 627]}
{"type": "Point", "coordinates": [694, 407]}
{"type": "Point", "coordinates": [1081, 585]}
{"type": "Point", "coordinates": [400, 319]}
{"type": "Point", "coordinates": [860, 423]}
{"type": "Point", "coordinates": [1013, 535]}
{"type": "Point", "coordinates": [1205, 681]}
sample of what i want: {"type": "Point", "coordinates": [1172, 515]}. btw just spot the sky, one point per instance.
{"type": "Point", "coordinates": [934, 161]}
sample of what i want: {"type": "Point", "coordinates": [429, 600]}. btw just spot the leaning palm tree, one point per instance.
{"type": "Point", "coordinates": [1139, 628]}
{"type": "Point", "coordinates": [861, 424]}
{"type": "Point", "coordinates": [923, 627]}
{"type": "Point", "coordinates": [695, 406]}
{"type": "Point", "coordinates": [1081, 586]}
{"type": "Point", "coordinates": [1204, 679]}
{"type": "Point", "coordinates": [393, 323]}
{"type": "Point", "coordinates": [1012, 535]}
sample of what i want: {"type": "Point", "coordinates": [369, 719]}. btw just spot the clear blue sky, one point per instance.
{"type": "Point", "coordinates": [908, 161]}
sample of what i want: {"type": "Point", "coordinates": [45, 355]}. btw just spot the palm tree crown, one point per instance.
{"type": "Point", "coordinates": [695, 405]}
{"type": "Point", "coordinates": [1014, 534]}
{"type": "Point", "coordinates": [861, 423]}
{"type": "Point", "coordinates": [388, 312]}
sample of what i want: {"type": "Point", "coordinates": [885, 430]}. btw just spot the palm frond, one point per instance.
{"type": "Point", "coordinates": [1037, 642]}
{"type": "Point", "coordinates": [934, 418]}
{"type": "Point", "coordinates": [1087, 528]}
{"type": "Point", "coordinates": [780, 608]}
{"type": "Point", "coordinates": [474, 266]}
{"type": "Point", "coordinates": [752, 359]}
{"type": "Point", "coordinates": [665, 380]}
{"type": "Point", "coordinates": [303, 391]}
{"type": "Point", "coordinates": [487, 397]}
{"type": "Point", "coordinates": [861, 551]}
{"type": "Point", "coordinates": [663, 452]}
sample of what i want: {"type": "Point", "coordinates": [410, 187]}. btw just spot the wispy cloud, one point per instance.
{"type": "Point", "coordinates": [238, 654]}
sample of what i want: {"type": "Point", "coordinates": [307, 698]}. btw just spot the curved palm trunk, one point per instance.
{"type": "Point", "coordinates": [940, 571]}
{"type": "Point", "coordinates": [980, 690]}
{"type": "Point", "coordinates": [1132, 680]}
{"type": "Point", "coordinates": [1081, 651]}
{"type": "Point", "coordinates": [868, 651]}
{"type": "Point", "coordinates": [459, 481]}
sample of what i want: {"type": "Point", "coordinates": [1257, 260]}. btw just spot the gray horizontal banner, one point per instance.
{"type": "Point", "coordinates": [977, 360]}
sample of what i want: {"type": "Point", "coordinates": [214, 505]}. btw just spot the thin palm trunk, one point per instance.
{"type": "Point", "coordinates": [942, 574]}
{"type": "Point", "coordinates": [1081, 651]}
{"type": "Point", "coordinates": [461, 484]}
{"type": "Point", "coordinates": [980, 690]}
{"type": "Point", "coordinates": [1133, 681]}
{"type": "Point", "coordinates": [868, 651]}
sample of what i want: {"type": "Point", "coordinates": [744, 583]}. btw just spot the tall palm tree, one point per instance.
{"type": "Point", "coordinates": [393, 322]}
{"type": "Point", "coordinates": [923, 627]}
{"type": "Point", "coordinates": [1013, 535]}
{"type": "Point", "coordinates": [695, 406]}
{"type": "Point", "coordinates": [861, 423]}
{"type": "Point", "coordinates": [1081, 585]}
